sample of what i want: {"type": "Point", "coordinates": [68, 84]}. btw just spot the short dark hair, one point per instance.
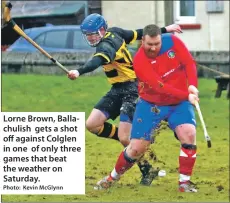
{"type": "Point", "coordinates": [151, 30]}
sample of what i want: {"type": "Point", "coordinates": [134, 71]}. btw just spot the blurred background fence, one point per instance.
{"type": "Point", "coordinates": [35, 62]}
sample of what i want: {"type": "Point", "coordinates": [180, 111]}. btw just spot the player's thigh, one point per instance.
{"type": "Point", "coordinates": [146, 118]}
{"type": "Point", "coordinates": [129, 97]}
{"type": "Point", "coordinates": [109, 105]}
{"type": "Point", "coordinates": [126, 115]}
{"type": "Point", "coordinates": [186, 133]}
{"type": "Point", "coordinates": [183, 113]}
{"type": "Point", "coordinates": [182, 120]}
{"type": "Point", "coordinates": [128, 108]}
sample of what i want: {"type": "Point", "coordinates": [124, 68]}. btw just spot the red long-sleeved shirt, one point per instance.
{"type": "Point", "coordinates": [165, 79]}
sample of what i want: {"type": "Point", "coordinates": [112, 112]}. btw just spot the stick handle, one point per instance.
{"type": "Point", "coordinates": [208, 139]}
{"type": "Point", "coordinates": [20, 32]}
{"type": "Point", "coordinates": [201, 117]}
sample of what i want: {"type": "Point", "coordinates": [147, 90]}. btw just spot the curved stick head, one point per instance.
{"type": "Point", "coordinates": [6, 12]}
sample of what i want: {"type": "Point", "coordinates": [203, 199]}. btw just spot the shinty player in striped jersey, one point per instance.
{"type": "Point", "coordinates": [120, 100]}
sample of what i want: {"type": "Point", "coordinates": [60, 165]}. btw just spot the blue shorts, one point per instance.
{"type": "Point", "coordinates": [147, 117]}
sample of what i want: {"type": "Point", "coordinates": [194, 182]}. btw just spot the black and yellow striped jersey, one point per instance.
{"type": "Point", "coordinates": [113, 48]}
{"type": "Point", "coordinates": [112, 53]}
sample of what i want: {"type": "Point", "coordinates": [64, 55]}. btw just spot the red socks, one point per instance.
{"type": "Point", "coordinates": [187, 160]}
{"type": "Point", "coordinates": [124, 163]}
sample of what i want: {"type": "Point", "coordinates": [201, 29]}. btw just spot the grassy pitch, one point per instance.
{"type": "Point", "coordinates": [30, 93]}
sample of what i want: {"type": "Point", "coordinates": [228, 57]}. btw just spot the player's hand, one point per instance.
{"type": "Point", "coordinates": [73, 74]}
{"type": "Point", "coordinates": [173, 28]}
{"type": "Point", "coordinates": [192, 98]}
{"type": "Point", "coordinates": [193, 90]}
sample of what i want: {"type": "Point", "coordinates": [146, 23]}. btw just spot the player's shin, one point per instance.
{"type": "Point", "coordinates": [149, 172]}
{"type": "Point", "coordinates": [123, 164]}
{"type": "Point", "coordinates": [187, 160]}
{"type": "Point", "coordinates": [144, 166]}
{"type": "Point", "coordinates": [108, 130]}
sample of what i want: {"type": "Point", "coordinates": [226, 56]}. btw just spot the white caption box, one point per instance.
{"type": "Point", "coordinates": [53, 147]}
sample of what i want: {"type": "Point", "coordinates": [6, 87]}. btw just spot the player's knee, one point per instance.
{"type": "Point", "coordinates": [186, 133]}
{"type": "Point", "coordinates": [124, 140]}
{"type": "Point", "coordinates": [134, 152]}
{"type": "Point", "coordinates": [95, 120]}
{"type": "Point", "coordinates": [124, 133]}
{"type": "Point", "coordinates": [190, 135]}
{"type": "Point", "coordinates": [90, 126]}
{"type": "Point", "coordinates": [136, 148]}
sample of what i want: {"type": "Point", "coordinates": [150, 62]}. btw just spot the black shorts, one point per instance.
{"type": "Point", "coordinates": [120, 100]}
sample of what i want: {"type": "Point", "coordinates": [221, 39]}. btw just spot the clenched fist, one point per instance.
{"type": "Point", "coordinates": [192, 98]}
{"type": "Point", "coordinates": [73, 74]}
{"type": "Point", "coordinates": [193, 90]}
{"type": "Point", "coordinates": [173, 28]}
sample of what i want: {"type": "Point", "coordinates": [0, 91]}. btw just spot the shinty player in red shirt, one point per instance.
{"type": "Point", "coordinates": [167, 86]}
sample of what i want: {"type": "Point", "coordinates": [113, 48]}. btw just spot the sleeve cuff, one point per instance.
{"type": "Point", "coordinates": [134, 36]}
{"type": "Point", "coordinates": [163, 30]}
{"type": "Point", "coordinates": [80, 70]}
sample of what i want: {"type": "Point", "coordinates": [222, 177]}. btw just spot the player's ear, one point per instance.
{"type": "Point", "coordinates": [142, 40]}
{"type": "Point", "coordinates": [102, 30]}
